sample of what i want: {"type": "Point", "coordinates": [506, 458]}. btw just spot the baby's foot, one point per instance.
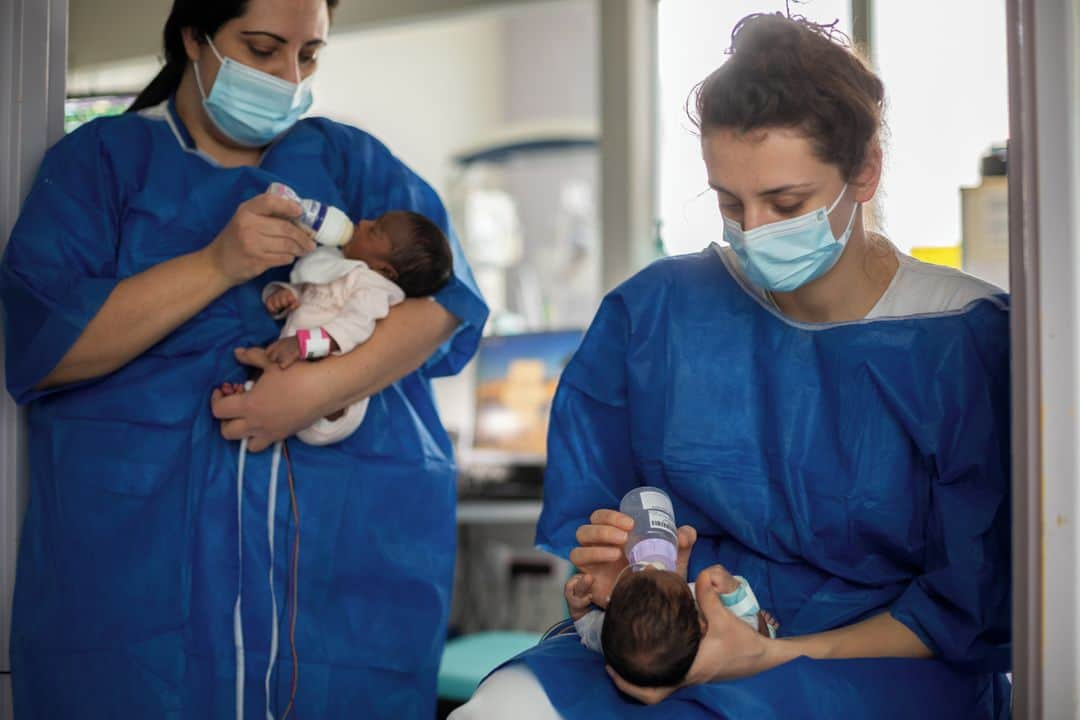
{"type": "Point", "coordinates": [231, 388]}
{"type": "Point", "coordinates": [770, 620]}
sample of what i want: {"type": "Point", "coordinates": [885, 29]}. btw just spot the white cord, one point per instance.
{"type": "Point", "coordinates": [271, 510]}
{"type": "Point", "coordinates": [238, 625]}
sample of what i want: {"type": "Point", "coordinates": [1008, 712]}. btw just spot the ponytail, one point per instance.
{"type": "Point", "coordinates": [162, 87]}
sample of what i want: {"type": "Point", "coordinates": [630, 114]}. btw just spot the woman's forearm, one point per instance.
{"type": "Point", "coordinates": [401, 343]}
{"type": "Point", "coordinates": [879, 636]}
{"type": "Point", "coordinates": [141, 311]}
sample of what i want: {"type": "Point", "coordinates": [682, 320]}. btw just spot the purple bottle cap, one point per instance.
{"type": "Point", "coordinates": [654, 550]}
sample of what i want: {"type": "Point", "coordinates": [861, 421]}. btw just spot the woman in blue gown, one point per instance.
{"type": "Point", "coordinates": [155, 570]}
{"type": "Point", "coordinates": [830, 416]}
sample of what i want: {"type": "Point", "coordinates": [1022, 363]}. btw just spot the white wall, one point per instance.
{"type": "Point", "coordinates": [426, 90]}
{"type": "Point", "coordinates": [121, 76]}
{"type": "Point", "coordinates": [105, 31]}
{"type": "Point", "coordinates": [552, 55]}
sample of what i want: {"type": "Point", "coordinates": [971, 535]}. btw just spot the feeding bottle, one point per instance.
{"type": "Point", "coordinates": [654, 539]}
{"type": "Point", "coordinates": [330, 225]}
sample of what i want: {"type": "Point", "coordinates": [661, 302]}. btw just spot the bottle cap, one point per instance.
{"type": "Point", "coordinates": [336, 229]}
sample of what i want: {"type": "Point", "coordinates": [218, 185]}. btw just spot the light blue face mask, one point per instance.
{"type": "Point", "coordinates": [250, 107]}
{"type": "Point", "coordinates": [785, 255]}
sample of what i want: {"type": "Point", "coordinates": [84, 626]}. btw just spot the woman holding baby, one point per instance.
{"type": "Point", "coordinates": [165, 570]}
{"type": "Point", "coordinates": [829, 416]}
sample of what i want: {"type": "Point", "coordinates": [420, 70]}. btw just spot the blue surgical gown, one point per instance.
{"type": "Point", "coordinates": [128, 566]}
{"type": "Point", "coordinates": [845, 470]}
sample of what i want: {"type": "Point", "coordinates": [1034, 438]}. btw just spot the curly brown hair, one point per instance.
{"type": "Point", "coordinates": [788, 72]}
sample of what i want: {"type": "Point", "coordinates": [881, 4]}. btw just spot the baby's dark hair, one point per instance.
{"type": "Point", "coordinates": [421, 256]}
{"type": "Point", "coordinates": [651, 630]}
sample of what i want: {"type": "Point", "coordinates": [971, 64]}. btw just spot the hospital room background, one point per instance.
{"type": "Point", "coordinates": [556, 133]}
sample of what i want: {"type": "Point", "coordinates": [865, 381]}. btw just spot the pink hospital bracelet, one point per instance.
{"type": "Point", "coordinates": [313, 343]}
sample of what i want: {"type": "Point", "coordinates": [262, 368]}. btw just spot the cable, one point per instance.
{"type": "Point", "coordinates": [238, 624]}
{"type": "Point", "coordinates": [293, 581]}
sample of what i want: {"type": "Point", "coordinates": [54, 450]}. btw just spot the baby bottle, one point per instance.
{"type": "Point", "coordinates": [330, 225]}
{"type": "Point", "coordinates": [654, 540]}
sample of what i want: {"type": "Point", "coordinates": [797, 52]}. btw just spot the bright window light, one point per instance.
{"type": "Point", "coordinates": [944, 70]}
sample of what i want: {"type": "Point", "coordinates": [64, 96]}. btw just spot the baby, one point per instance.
{"type": "Point", "coordinates": [652, 628]}
{"type": "Point", "coordinates": [335, 296]}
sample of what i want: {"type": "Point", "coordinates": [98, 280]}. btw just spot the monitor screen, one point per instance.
{"type": "Point", "coordinates": [516, 377]}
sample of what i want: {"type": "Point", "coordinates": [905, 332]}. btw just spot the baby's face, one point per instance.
{"type": "Point", "coordinates": [372, 243]}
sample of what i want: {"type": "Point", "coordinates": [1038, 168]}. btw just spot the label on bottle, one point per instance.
{"type": "Point", "coordinates": [660, 520]}
{"type": "Point", "coordinates": [651, 499]}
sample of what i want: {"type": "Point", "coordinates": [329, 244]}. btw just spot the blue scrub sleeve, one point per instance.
{"type": "Point", "coordinates": [60, 262]}
{"type": "Point", "coordinates": [960, 607]}
{"type": "Point", "coordinates": [393, 186]}
{"type": "Point", "coordinates": [590, 464]}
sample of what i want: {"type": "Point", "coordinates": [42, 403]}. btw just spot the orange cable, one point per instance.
{"type": "Point", "coordinates": [294, 577]}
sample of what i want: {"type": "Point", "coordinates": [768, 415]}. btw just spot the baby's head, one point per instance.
{"type": "Point", "coordinates": [652, 628]}
{"type": "Point", "coordinates": [405, 247]}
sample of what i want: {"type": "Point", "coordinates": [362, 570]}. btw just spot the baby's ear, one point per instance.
{"type": "Point", "coordinates": [386, 269]}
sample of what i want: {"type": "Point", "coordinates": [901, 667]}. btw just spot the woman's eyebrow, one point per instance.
{"type": "Point", "coordinates": [316, 41]}
{"type": "Point", "coordinates": [771, 191]}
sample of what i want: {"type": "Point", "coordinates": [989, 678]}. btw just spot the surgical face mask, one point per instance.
{"type": "Point", "coordinates": [785, 255]}
{"type": "Point", "coordinates": [250, 107]}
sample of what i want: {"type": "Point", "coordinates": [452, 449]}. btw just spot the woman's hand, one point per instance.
{"type": "Point", "coordinates": [601, 552]}
{"type": "Point", "coordinates": [279, 405]}
{"type": "Point", "coordinates": [259, 236]}
{"type": "Point", "coordinates": [729, 649]}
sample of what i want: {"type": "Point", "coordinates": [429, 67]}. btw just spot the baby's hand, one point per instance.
{"type": "Point", "coordinates": [721, 579]}
{"type": "Point", "coordinates": [765, 621]}
{"type": "Point", "coordinates": [578, 592]}
{"type": "Point", "coordinates": [284, 352]}
{"type": "Point", "coordinates": [281, 300]}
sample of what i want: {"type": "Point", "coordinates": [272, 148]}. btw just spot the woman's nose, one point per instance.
{"type": "Point", "coordinates": [753, 217]}
{"type": "Point", "coordinates": [290, 71]}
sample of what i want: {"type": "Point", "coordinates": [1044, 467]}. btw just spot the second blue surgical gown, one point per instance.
{"type": "Point", "coordinates": [129, 565]}
{"type": "Point", "coordinates": [845, 470]}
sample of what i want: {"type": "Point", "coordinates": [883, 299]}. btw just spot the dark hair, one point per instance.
{"type": "Point", "coordinates": [206, 17]}
{"type": "Point", "coordinates": [792, 73]}
{"type": "Point", "coordinates": [421, 254]}
{"type": "Point", "coordinates": [651, 630]}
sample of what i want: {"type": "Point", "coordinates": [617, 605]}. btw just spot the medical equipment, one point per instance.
{"type": "Point", "coordinates": [330, 225]}
{"type": "Point", "coordinates": [654, 539]}
{"type": "Point", "coordinates": [280, 450]}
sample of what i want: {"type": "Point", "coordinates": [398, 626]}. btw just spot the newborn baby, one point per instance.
{"type": "Point", "coordinates": [652, 627]}
{"type": "Point", "coordinates": [334, 298]}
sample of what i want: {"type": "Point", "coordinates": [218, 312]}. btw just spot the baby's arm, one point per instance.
{"type": "Point", "coordinates": [729, 586]}
{"type": "Point", "coordinates": [355, 322]}
{"type": "Point", "coordinates": [280, 298]}
{"type": "Point", "coordinates": [286, 351]}
{"type": "Point", "coordinates": [724, 580]}
{"type": "Point", "coordinates": [578, 592]}
{"type": "Point", "coordinates": [588, 620]}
